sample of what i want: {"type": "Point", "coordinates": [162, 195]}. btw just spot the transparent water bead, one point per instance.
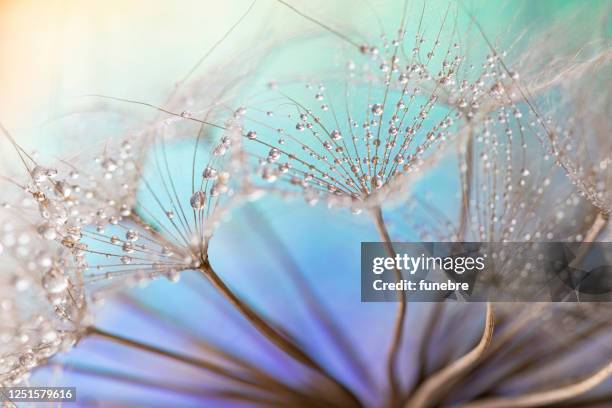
{"type": "Point", "coordinates": [63, 189]}
{"type": "Point", "coordinates": [198, 200]}
{"type": "Point", "coordinates": [269, 174]}
{"type": "Point", "coordinates": [109, 165]}
{"type": "Point", "coordinates": [47, 231]}
{"type": "Point", "coordinates": [54, 281]}
{"type": "Point", "coordinates": [127, 247]}
{"type": "Point", "coordinates": [241, 111]}
{"type": "Point", "coordinates": [131, 235]}
{"type": "Point", "coordinates": [210, 173]}
{"type": "Point", "coordinates": [27, 360]}
{"type": "Point", "coordinates": [377, 109]}
{"type": "Point", "coordinates": [40, 173]}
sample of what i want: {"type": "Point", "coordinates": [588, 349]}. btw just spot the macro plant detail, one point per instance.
{"type": "Point", "coordinates": [429, 125]}
{"type": "Point", "coordinates": [43, 307]}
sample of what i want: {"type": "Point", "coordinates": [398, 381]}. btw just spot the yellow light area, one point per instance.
{"type": "Point", "coordinates": [55, 50]}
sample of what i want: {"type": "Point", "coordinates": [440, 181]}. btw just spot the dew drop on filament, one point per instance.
{"type": "Point", "coordinates": [198, 200]}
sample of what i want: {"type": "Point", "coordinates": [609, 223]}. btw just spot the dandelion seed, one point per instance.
{"type": "Point", "coordinates": [376, 131]}
{"type": "Point", "coordinates": [43, 309]}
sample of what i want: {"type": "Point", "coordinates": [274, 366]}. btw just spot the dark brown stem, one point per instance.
{"type": "Point", "coordinates": [436, 387]}
{"type": "Point", "coordinates": [400, 317]}
{"type": "Point", "coordinates": [591, 236]}
{"type": "Point", "coordinates": [274, 335]}
{"type": "Point", "coordinates": [269, 386]}
{"type": "Point", "coordinates": [242, 395]}
{"type": "Point", "coordinates": [276, 386]}
{"type": "Point", "coordinates": [314, 304]}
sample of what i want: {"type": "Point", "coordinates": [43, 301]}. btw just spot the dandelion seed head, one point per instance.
{"type": "Point", "coordinates": [43, 306]}
{"type": "Point", "coordinates": [135, 220]}
{"type": "Point", "coordinates": [364, 136]}
{"type": "Point", "coordinates": [581, 143]}
{"type": "Point", "coordinates": [506, 195]}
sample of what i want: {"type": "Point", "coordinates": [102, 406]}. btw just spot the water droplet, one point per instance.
{"type": "Point", "coordinates": [210, 173]}
{"type": "Point", "coordinates": [377, 109]}
{"type": "Point", "coordinates": [40, 173]}
{"type": "Point", "coordinates": [54, 281]}
{"type": "Point", "coordinates": [27, 360]}
{"type": "Point", "coordinates": [47, 232]}
{"type": "Point", "coordinates": [269, 175]}
{"type": "Point", "coordinates": [131, 235]}
{"type": "Point", "coordinates": [109, 165]}
{"type": "Point", "coordinates": [127, 247]}
{"type": "Point", "coordinates": [198, 200]}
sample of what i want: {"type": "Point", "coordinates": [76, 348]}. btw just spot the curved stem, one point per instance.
{"type": "Point", "coordinates": [242, 395]}
{"type": "Point", "coordinates": [265, 383]}
{"type": "Point", "coordinates": [275, 385]}
{"type": "Point", "coordinates": [590, 236]}
{"type": "Point", "coordinates": [549, 397]}
{"type": "Point", "coordinates": [429, 394]}
{"type": "Point", "coordinates": [400, 316]}
{"type": "Point", "coordinates": [273, 334]}
{"type": "Point", "coordinates": [598, 225]}
{"type": "Point", "coordinates": [314, 303]}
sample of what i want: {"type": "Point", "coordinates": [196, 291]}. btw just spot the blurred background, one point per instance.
{"type": "Point", "coordinates": [55, 53]}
